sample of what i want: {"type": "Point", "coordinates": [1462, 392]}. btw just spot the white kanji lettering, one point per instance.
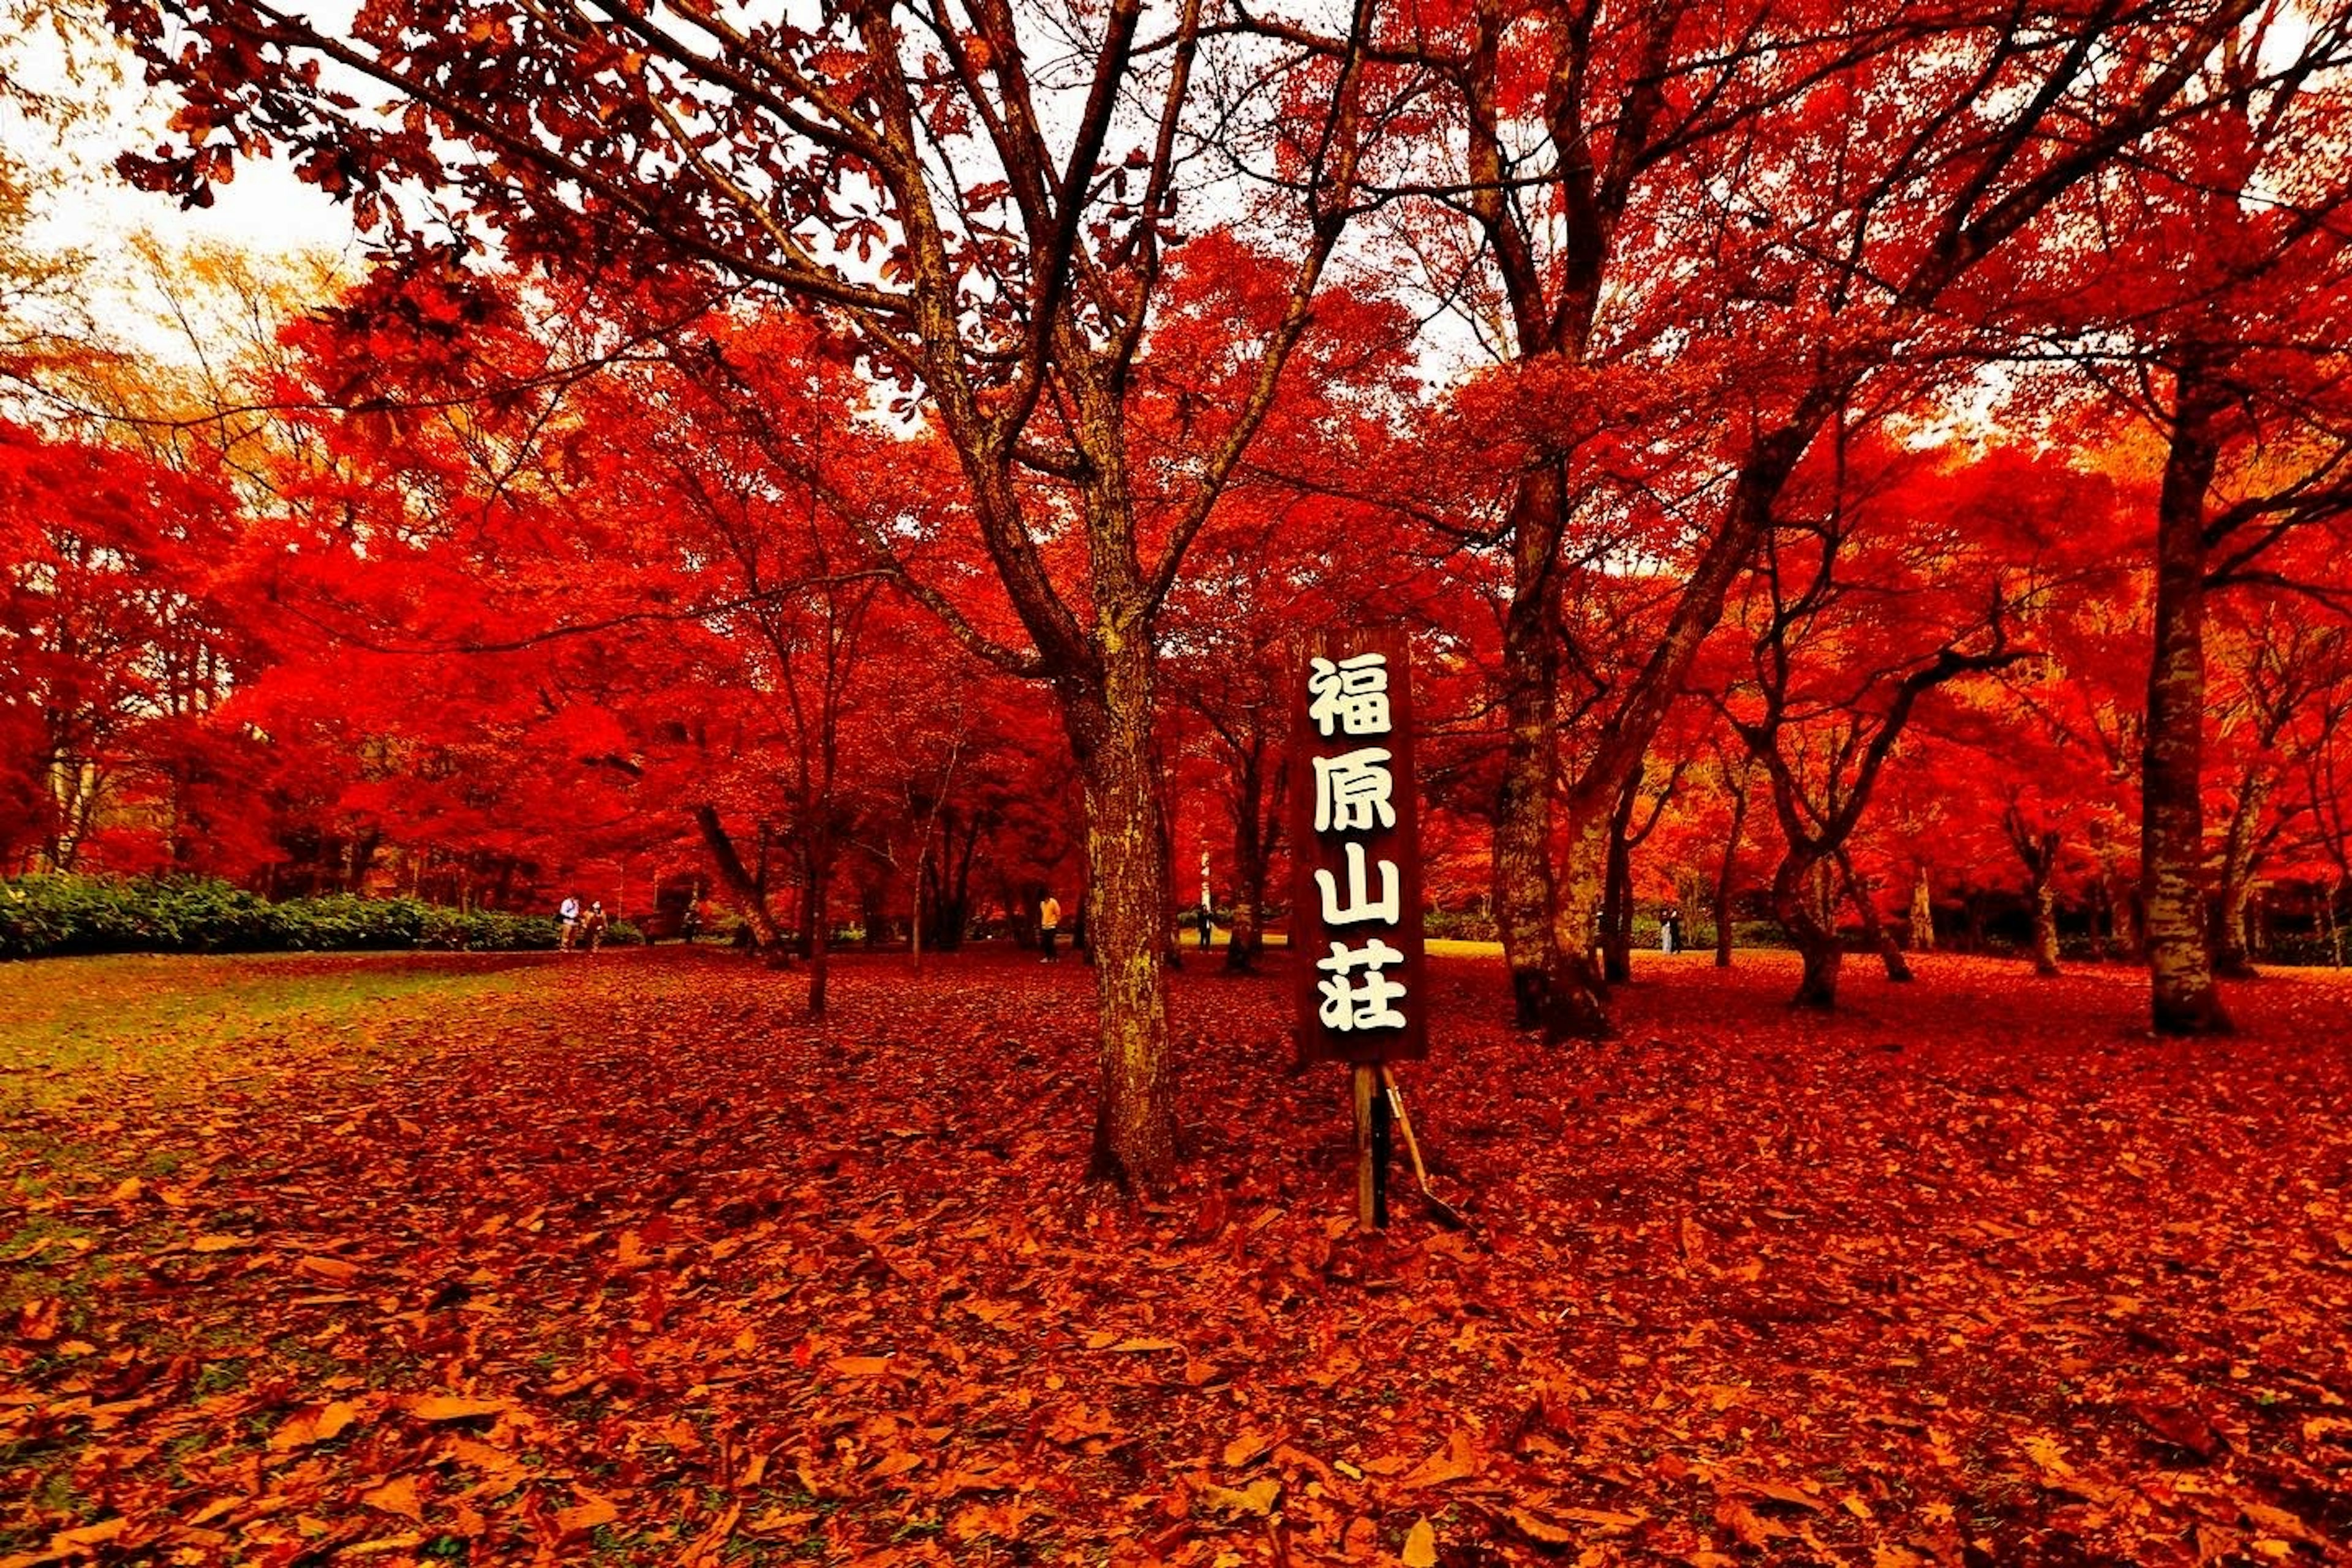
{"type": "Point", "coordinates": [1352, 790]}
{"type": "Point", "coordinates": [1352, 694]}
{"type": "Point", "coordinates": [1358, 908]}
{"type": "Point", "coordinates": [1365, 1003]}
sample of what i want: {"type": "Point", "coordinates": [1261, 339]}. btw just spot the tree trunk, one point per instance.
{"type": "Point", "coordinates": [1874, 931]}
{"type": "Point", "coordinates": [816, 905]}
{"type": "Point", "coordinates": [1796, 900]}
{"type": "Point", "coordinates": [1616, 917]}
{"type": "Point", "coordinates": [951, 905]}
{"type": "Point", "coordinates": [1527, 900]}
{"type": "Point", "coordinates": [2045, 927]}
{"type": "Point", "coordinates": [1922, 912]}
{"type": "Point", "coordinates": [1617, 890]}
{"type": "Point", "coordinates": [2038, 851]}
{"type": "Point", "coordinates": [1256, 824]}
{"type": "Point", "coordinates": [1126, 915]}
{"type": "Point", "coordinates": [1723, 881]}
{"type": "Point", "coordinates": [2172, 816]}
{"type": "Point", "coordinates": [2231, 956]}
{"type": "Point", "coordinates": [1572, 986]}
{"type": "Point", "coordinates": [737, 881]}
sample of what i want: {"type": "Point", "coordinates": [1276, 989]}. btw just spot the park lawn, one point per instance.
{"type": "Point", "coordinates": [617, 1260]}
{"type": "Point", "coordinates": [169, 1024]}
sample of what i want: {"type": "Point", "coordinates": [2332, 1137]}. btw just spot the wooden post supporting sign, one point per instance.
{"type": "Point", "coordinates": [1355, 920]}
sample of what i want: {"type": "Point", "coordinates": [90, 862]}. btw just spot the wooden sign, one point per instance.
{"type": "Point", "coordinates": [1355, 911]}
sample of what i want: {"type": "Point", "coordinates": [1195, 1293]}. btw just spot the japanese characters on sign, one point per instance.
{"type": "Point", "coordinates": [1356, 915]}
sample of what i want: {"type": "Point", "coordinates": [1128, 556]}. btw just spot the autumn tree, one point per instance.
{"type": "Point", "coordinates": [1765, 195]}
{"type": "Point", "coordinates": [2201, 286]}
{"type": "Point", "coordinates": [984, 195]}
{"type": "Point", "coordinates": [113, 630]}
{"type": "Point", "coordinates": [1882, 581]}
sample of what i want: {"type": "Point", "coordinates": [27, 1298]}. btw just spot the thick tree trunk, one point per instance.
{"type": "Point", "coordinates": [1873, 930]}
{"type": "Point", "coordinates": [1256, 825]}
{"type": "Point", "coordinates": [1796, 899]}
{"type": "Point", "coordinates": [1617, 890]}
{"type": "Point", "coordinates": [2172, 816]}
{"type": "Point", "coordinates": [737, 881]}
{"type": "Point", "coordinates": [1526, 897]}
{"type": "Point", "coordinates": [2039, 853]}
{"type": "Point", "coordinates": [1922, 912]}
{"type": "Point", "coordinates": [1571, 1006]}
{"type": "Point", "coordinates": [951, 897]}
{"type": "Point", "coordinates": [1126, 915]}
{"type": "Point", "coordinates": [1723, 879]}
{"type": "Point", "coordinates": [2231, 954]}
{"type": "Point", "coordinates": [2045, 927]}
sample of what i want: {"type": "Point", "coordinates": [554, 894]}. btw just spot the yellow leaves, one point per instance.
{"type": "Point", "coordinates": [314, 1424]}
{"type": "Point", "coordinates": [1421, 1545]}
{"type": "Point", "coordinates": [127, 1192]}
{"type": "Point", "coordinates": [89, 1535]}
{"type": "Point", "coordinates": [397, 1496]}
{"type": "Point", "coordinates": [1607, 1518]}
{"type": "Point", "coordinates": [37, 1321]}
{"type": "Point", "coordinates": [1107, 1340]}
{"type": "Point", "coordinates": [585, 1515]}
{"type": "Point", "coordinates": [1255, 1500]}
{"type": "Point", "coordinates": [860, 1366]}
{"type": "Point", "coordinates": [1746, 1525]}
{"type": "Point", "coordinates": [1071, 1425]}
{"type": "Point", "coordinates": [1772, 1490]}
{"type": "Point", "coordinates": [2279, 1523]}
{"type": "Point", "coordinates": [1543, 1532]}
{"type": "Point", "coordinates": [992, 1520]}
{"type": "Point", "coordinates": [334, 1270]}
{"type": "Point", "coordinates": [218, 1243]}
{"type": "Point", "coordinates": [450, 1407]}
{"type": "Point", "coordinates": [1246, 1449]}
{"type": "Point", "coordinates": [1457, 1461]}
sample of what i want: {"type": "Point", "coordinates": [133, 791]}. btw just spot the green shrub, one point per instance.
{"type": "Point", "coordinates": [55, 916]}
{"type": "Point", "coordinates": [1458, 925]}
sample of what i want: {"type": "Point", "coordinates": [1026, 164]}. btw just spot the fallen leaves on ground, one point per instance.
{"type": "Point", "coordinates": [628, 1263]}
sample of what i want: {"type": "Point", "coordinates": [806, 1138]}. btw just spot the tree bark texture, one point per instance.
{"type": "Point", "coordinates": [1922, 912]}
{"type": "Point", "coordinates": [2232, 954]}
{"type": "Point", "coordinates": [2183, 1000]}
{"type": "Point", "coordinates": [1525, 891]}
{"type": "Point", "coordinates": [1739, 798]}
{"type": "Point", "coordinates": [737, 881]}
{"type": "Point", "coordinates": [1128, 898]}
{"type": "Point", "coordinates": [1796, 899]}
{"type": "Point", "coordinates": [1873, 930]}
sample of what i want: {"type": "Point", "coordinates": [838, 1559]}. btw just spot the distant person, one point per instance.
{"type": "Point", "coordinates": [689, 924]}
{"type": "Point", "coordinates": [1208, 922]}
{"type": "Point", "coordinates": [568, 912]}
{"type": "Point", "coordinates": [1049, 922]}
{"type": "Point", "coordinates": [592, 929]}
{"type": "Point", "coordinates": [1670, 931]}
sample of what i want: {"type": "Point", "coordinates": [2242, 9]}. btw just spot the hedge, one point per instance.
{"type": "Point", "coordinates": [57, 915]}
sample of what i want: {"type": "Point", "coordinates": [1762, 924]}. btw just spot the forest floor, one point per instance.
{"type": "Point", "coordinates": [617, 1259]}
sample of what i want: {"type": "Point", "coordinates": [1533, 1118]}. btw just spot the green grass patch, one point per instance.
{"type": "Point", "coordinates": [80, 1022]}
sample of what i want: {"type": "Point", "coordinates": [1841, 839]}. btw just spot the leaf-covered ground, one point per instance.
{"type": "Point", "coordinates": [618, 1260]}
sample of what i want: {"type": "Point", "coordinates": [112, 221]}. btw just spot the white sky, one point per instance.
{"type": "Point", "coordinates": [265, 210]}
